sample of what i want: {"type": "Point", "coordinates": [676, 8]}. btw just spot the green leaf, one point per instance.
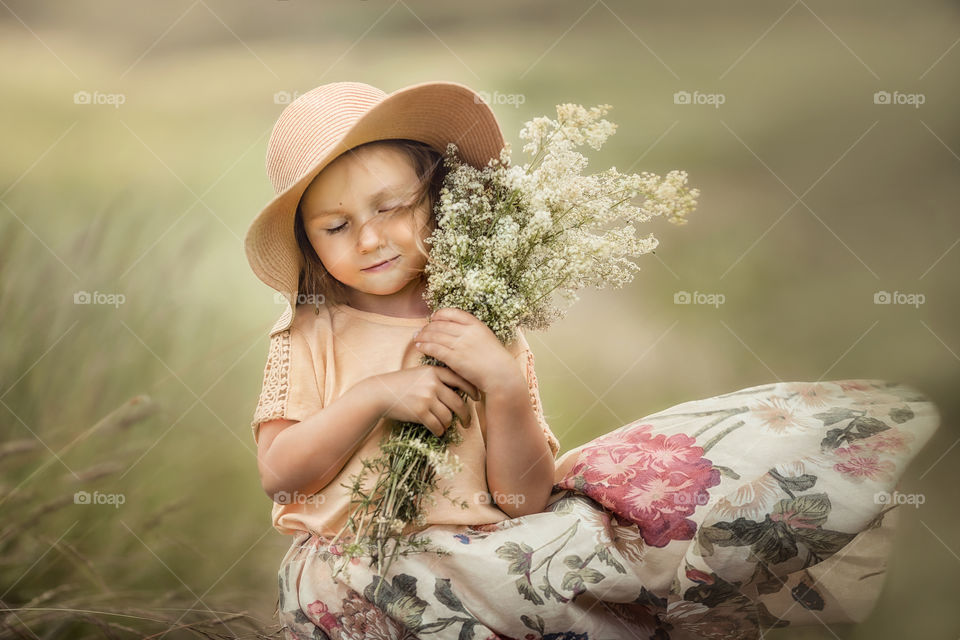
{"type": "Point", "coordinates": [607, 558]}
{"type": "Point", "coordinates": [573, 561]}
{"type": "Point", "coordinates": [525, 588]}
{"type": "Point", "coordinates": [834, 415]}
{"type": "Point", "coordinates": [466, 631]}
{"type": "Point", "coordinates": [444, 594]}
{"type": "Point", "coordinates": [791, 485]}
{"type": "Point", "coordinates": [824, 542]}
{"type": "Point", "coordinates": [739, 533]}
{"type": "Point", "coordinates": [591, 575]}
{"type": "Point", "coordinates": [727, 471]}
{"type": "Point", "coordinates": [901, 414]}
{"type": "Point", "coordinates": [517, 555]}
{"type": "Point", "coordinates": [810, 510]}
{"type": "Point", "coordinates": [572, 581]}
{"type": "Point", "coordinates": [537, 626]}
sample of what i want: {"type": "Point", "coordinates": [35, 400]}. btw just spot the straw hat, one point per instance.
{"type": "Point", "coordinates": [325, 122]}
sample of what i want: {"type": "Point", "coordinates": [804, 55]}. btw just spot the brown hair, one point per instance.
{"type": "Point", "coordinates": [315, 282]}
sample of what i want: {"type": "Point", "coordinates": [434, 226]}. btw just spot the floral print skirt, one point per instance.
{"type": "Point", "coordinates": [767, 507]}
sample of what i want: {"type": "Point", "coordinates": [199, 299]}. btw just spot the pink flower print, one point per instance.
{"type": "Point", "coordinates": [699, 577]}
{"type": "Point", "coordinates": [662, 454]}
{"type": "Point", "coordinates": [855, 448]}
{"type": "Point", "coordinates": [781, 416]}
{"type": "Point", "coordinates": [858, 466]}
{"type": "Point", "coordinates": [612, 466]}
{"type": "Point", "coordinates": [853, 385]}
{"type": "Point", "coordinates": [810, 394]}
{"type": "Point", "coordinates": [751, 500]}
{"type": "Point", "coordinates": [653, 482]}
{"type": "Point", "coordinates": [889, 441]}
{"type": "Point", "coordinates": [320, 615]}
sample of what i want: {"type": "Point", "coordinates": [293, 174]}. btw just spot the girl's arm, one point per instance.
{"type": "Point", "coordinates": [305, 456]}
{"type": "Point", "coordinates": [520, 464]}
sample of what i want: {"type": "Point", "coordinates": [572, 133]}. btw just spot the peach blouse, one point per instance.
{"type": "Point", "coordinates": [321, 355]}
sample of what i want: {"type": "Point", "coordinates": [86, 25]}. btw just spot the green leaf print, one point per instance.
{"type": "Point", "coordinates": [834, 415]}
{"type": "Point", "coordinates": [790, 485]}
{"type": "Point", "coordinates": [575, 580]}
{"type": "Point", "coordinates": [573, 561]}
{"type": "Point", "coordinates": [604, 555]}
{"type": "Point", "coordinates": [824, 542]}
{"type": "Point", "coordinates": [901, 414]}
{"type": "Point", "coordinates": [517, 555]}
{"type": "Point", "coordinates": [859, 428]}
{"type": "Point", "coordinates": [398, 600]}
{"type": "Point", "coordinates": [792, 522]}
{"type": "Point", "coordinates": [525, 588]}
{"type": "Point", "coordinates": [444, 594]}
{"type": "Point", "coordinates": [537, 626]}
{"type": "Point", "coordinates": [550, 592]}
{"type": "Point", "coordinates": [805, 511]}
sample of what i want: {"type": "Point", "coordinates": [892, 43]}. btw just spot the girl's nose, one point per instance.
{"type": "Point", "coordinates": [370, 238]}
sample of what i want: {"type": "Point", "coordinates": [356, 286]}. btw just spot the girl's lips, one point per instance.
{"type": "Point", "coordinates": [383, 265]}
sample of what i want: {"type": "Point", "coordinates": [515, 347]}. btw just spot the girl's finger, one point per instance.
{"type": "Point", "coordinates": [453, 402]}
{"type": "Point", "coordinates": [443, 415]}
{"type": "Point", "coordinates": [450, 377]}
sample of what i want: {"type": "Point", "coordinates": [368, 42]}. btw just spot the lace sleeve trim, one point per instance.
{"type": "Point", "coordinates": [276, 376]}
{"type": "Point", "coordinates": [534, 388]}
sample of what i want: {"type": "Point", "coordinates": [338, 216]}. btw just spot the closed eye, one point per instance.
{"type": "Point", "coordinates": [340, 228]}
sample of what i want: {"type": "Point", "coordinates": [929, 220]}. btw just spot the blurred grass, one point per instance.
{"type": "Point", "coordinates": [152, 200]}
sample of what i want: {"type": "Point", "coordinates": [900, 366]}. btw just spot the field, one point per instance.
{"type": "Point", "coordinates": [814, 198]}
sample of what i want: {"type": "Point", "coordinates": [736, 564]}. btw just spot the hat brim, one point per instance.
{"type": "Point", "coordinates": [434, 113]}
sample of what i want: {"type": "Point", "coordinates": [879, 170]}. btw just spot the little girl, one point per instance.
{"type": "Point", "coordinates": [716, 518]}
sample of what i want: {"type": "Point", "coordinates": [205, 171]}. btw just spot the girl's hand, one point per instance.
{"type": "Point", "coordinates": [424, 394]}
{"type": "Point", "coordinates": [462, 342]}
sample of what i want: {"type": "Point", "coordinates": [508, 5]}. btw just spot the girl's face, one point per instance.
{"type": "Point", "coordinates": [353, 216]}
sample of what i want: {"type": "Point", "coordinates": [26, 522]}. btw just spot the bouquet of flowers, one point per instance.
{"type": "Point", "coordinates": [507, 238]}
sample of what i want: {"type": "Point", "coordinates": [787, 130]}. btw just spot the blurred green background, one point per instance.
{"type": "Point", "coordinates": [813, 198]}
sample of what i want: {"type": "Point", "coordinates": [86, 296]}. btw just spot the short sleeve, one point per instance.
{"type": "Point", "coordinates": [292, 382]}
{"type": "Point", "coordinates": [526, 360]}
